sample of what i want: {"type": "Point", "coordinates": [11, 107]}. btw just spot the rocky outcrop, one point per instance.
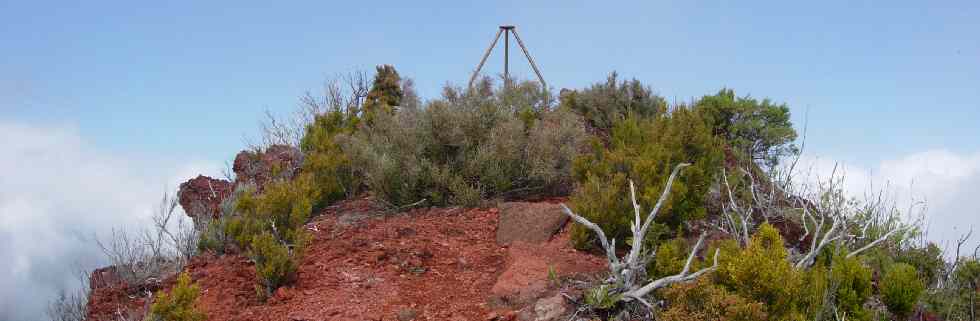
{"type": "Point", "coordinates": [529, 222]}
{"type": "Point", "coordinates": [202, 196]}
{"type": "Point", "coordinates": [277, 161]}
{"type": "Point", "coordinates": [103, 277]}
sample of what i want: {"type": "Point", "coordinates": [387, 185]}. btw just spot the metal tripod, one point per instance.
{"type": "Point", "coordinates": [507, 30]}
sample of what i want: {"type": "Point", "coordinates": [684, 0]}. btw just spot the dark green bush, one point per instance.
{"type": "Point", "coordinates": [646, 151]}
{"type": "Point", "coordinates": [178, 304]}
{"type": "Point", "coordinates": [760, 130]}
{"type": "Point", "coordinates": [605, 104]}
{"type": "Point", "coordinates": [385, 95]}
{"type": "Point", "coordinates": [900, 289]}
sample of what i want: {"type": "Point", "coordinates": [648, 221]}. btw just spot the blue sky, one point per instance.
{"type": "Point", "coordinates": [191, 78]}
{"type": "Point", "coordinates": [148, 94]}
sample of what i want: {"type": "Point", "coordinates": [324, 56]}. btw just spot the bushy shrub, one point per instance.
{"type": "Point", "coordinates": [334, 176]}
{"type": "Point", "coordinates": [928, 260]}
{"type": "Point", "coordinates": [705, 301]}
{"type": "Point", "coordinates": [269, 227]}
{"type": "Point", "coordinates": [645, 150]}
{"type": "Point", "coordinates": [275, 263]}
{"type": "Point", "coordinates": [178, 304]}
{"type": "Point", "coordinates": [281, 209]}
{"type": "Point", "coordinates": [605, 104]}
{"type": "Point", "coordinates": [900, 289]}
{"type": "Point", "coordinates": [465, 147]}
{"type": "Point", "coordinates": [851, 283]}
{"type": "Point", "coordinates": [762, 273]}
{"type": "Point", "coordinates": [214, 231]}
{"type": "Point", "coordinates": [760, 130]}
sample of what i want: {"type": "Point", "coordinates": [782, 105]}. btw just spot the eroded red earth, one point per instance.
{"type": "Point", "coordinates": [425, 264]}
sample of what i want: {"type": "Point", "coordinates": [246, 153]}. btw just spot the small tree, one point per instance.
{"type": "Point", "coordinates": [385, 95]}
{"type": "Point", "coordinates": [760, 130]}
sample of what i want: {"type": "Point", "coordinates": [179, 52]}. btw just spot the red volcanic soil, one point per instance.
{"type": "Point", "coordinates": [425, 264]}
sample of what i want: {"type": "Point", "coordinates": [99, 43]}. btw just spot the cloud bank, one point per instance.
{"type": "Point", "coordinates": [948, 183]}
{"type": "Point", "coordinates": [57, 192]}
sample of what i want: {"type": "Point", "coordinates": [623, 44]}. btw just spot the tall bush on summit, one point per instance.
{"type": "Point", "coordinates": [385, 95]}
{"type": "Point", "coordinates": [467, 146]}
{"type": "Point", "coordinates": [760, 130]}
{"type": "Point", "coordinates": [644, 149]}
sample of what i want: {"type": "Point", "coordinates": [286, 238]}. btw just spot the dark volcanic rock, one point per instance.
{"type": "Point", "coordinates": [202, 196]}
{"type": "Point", "coordinates": [529, 222]}
{"type": "Point", "coordinates": [277, 161]}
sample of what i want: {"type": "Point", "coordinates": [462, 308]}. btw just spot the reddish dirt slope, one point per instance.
{"type": "Point", "coordinates": [435, 264]}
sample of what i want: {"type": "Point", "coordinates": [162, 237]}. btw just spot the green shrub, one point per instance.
{"type": "Point", "coordinates": [760, 130]}
{"type": "Point", "coordinates": [761, 272]}
{"type": "Point", "coordinates": [601, 298]}
{"type": "Point", "coordinates": [465, 147]}
{"type": "Point", "coordinates": [900, 289]}
{"type": "Point", "coordinates": [646, 151]}
{"type": "Point", "coordinates": [928, 260]}
{"type": "Point", "coordinates": [385, 95]}
{"type": "Point", "coordinates": [851, 282]}
{"type": "Point", "coordinates": [275, 263]}
{"type": "Point", "coordinates": [705, 301]}
{"type": "Point", "coordinates": [334, 177]}
{"type": "Point", "coordinates": [178, 304]}
{"type": "Point", "coordinates": [269, 227]}
{"type": "Point", "coordinates": [605, 104]}
{"type": "Point", "coordinates": [215, 231]}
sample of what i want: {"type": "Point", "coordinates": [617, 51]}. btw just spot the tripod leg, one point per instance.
{"type": "Point", "coordinates": [484, 60]}
{"type": "Point", "coordinates": [544, 86]}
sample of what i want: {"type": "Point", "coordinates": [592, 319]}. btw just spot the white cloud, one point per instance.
{"type": "Point", "coordinates": [948, 183]}
{"type": "Point", "coordinates": [57, 192]}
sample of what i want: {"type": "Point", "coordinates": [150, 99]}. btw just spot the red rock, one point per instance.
{"type": "Point", "coordinates": [529, 222]}
{"type": "Point", "coordinates": [277, 161]}
{"type": "Point", "coordinates": [202, 196]}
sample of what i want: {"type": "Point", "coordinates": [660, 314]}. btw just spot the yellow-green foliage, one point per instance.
{"type": "Point", "coordinates": [275, 263]}
{"type": "Point", "coordinates": [670, 258]}
{"type": "Point", "coordinates": [900, 289]}
{"type": "Point", "coordinates": [851, 282]}
{"type": "Point", "coordinates": [646, 151]}
{"type": "Point", "coordinates": [705, 301]}
{"type": "Point", "coordinates": [178, 304]}
{"type": "Point", "coordinates": [269, 226]}
{"type": "Point", "coordinates": [333, 175]}
{"type": "Point", "coordinates": [282, 209]}
{"type": "Point", "coordinates": [761, 272]}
